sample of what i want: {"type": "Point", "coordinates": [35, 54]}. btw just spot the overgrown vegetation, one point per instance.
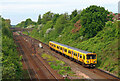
{"type": "Point", "coordinates": [93, 20]}
{"type": "Point", "coordinates": [97, 33]}
{"type": "Point", "coordinates": [11, 62]}
{"type": "Point", "coordinates": [28, 23]}
{"type": "Point", "coordinates": [60, 66]}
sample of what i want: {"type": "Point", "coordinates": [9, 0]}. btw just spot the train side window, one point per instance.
{"type": "Point", "coordinates": [54, 45]}
{"type": "Point", "coordinates": [69, 51]}
{"type": "Point", "coordinates": [84, 57]}
{"type": "Point", "coordinates": [80, 56]}
{"type": "Point", "coordinates": [76, 54]}
{"type": "Point", "coordinates": [60, 48]}
{"type": "Point", "coordinates": [57, 47]}
{"type": "Point", "coordinates": [65, 50]}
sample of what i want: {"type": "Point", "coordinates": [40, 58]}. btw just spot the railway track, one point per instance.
{"type": "Point", "coordinates": [37, 69]}
{"type": "Point", "coordinates": [95, 74]}
{"type": "Point", "coordinates": [31, 72]}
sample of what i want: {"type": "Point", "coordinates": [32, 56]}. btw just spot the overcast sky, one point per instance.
{"type": "Point", "coordinates": [19, 10]}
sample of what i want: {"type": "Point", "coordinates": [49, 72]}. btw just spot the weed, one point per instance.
{"type": "Point", "coordinates": [58, 65]}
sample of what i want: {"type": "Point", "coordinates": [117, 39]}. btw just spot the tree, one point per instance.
{"type": "Point", "coordinates": [93, 20]}
{"type": "Point", "coordinates": [7, 21]}
{"type": "Point", "coordinates": [47, 17]}
{"type": "Point", "coordinates": [28, 22]}
{"type": "Point", "coordinates": [74, 13]}
{"type": "Point", "coordinates": [67, 17]}
{"type": "Point", "coordinates": [39, 20]}
{"type": "Point", "coordinates": [55, 17]}
{"type": "Point", "coordinates": [60, 24]}
{"type": "Point", "coordinates": [76, 18]}
{"type": "Point", "coordinates": [11, 63]}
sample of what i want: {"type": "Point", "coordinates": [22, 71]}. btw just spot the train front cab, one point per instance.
{"type": "Point", "coordinates": [90, 60]}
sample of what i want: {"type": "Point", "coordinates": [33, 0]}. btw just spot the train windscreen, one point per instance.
{"type": "Point", "coordinates": [91, 56]}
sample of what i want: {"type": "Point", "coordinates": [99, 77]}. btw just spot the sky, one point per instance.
{"type": "Point", "coordinates": [20, 10]}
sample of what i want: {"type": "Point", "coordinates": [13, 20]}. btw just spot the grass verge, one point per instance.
{"type": "Point", "coordinates": [60, 66]}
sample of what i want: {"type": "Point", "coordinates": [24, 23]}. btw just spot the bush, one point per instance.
{"type": "Point", "coordinates": [93, 20]}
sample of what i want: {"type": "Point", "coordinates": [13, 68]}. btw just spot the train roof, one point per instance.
{"type": "Point", "coordinates": [86, 52]}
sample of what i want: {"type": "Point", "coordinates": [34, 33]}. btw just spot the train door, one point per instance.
{"type": "Point", "coordinates": [75, 55]}
{"type": "Point", "coordinates": [72, 54]}
{"type": "Point", "coordinates": [63, 50]}
{"type": "Point", "coordinates": [84, 58]}
{"type": "Point", "coordinates": [78, 56]}
{"type": "Point", "coordinates": [81, 57]}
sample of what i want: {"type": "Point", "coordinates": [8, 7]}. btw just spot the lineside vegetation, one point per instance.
{"type": "Point", "coordinates": [93, 29]}
{"type": "Point", "coordinates": [11, 63]}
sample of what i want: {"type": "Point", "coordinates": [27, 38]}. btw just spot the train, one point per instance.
{"type": "Point", "coordinates": [85, 58]}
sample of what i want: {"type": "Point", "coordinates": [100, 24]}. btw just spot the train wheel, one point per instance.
{"type": "Point", "coordinates": [71, 58]}
{"type": "Point", "coordinates": [80, 62]}
{"type": "Point", "coordinates": [68, 57]}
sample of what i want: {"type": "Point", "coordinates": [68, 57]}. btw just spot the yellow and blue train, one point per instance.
{"type": "Point", "coordinates": [87, 59]}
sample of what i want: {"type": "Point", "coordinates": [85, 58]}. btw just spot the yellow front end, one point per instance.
{"type": "Point", "coordinates": [91, 60]}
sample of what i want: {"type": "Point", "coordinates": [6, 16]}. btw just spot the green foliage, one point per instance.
{"type": "Point", "coordinates": [110, 17]}
{"type": "Point", "coordinates": [47, 17]}
{"type": "Point", "coordinates": [61, 72]}
{"type": "Point", "coordinates": [55, 17]}
{"type": "Point", "coordinates": [105, 44]}
{"type": "Point", "coordinates": [39, 20]}
{"type": "Point", "coordinates": [48, 25]}
{"type": "Point", "coordinates": [22, 24]}
{"type": "Point", "coordinates": [74, 13]}
{"type": "Point", "coordinates": [6, 31]}
{"type": "Point", "coordinates": [58, 65]}
{"type": "Point", "coordinates": [93, 20]}
{"type": "Point", "coordinates": [76, 18]}
{"type": "Point", "coordinates": [26, 23]}
{"type": "Point", "coordinates": [12, 67]}
{"type": "Point", "coordinates": [109, 24]}
{"type": "Point", "coordinates": [29, 22]}
{"type": "Point", "coordinates": [55, 67]}
{"type": "Point", "coordinates": [60, 24]}
{"type": "Point", "coordinates": [106, 47]}
{"type": "Point", "coordinates": [103, 35]}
